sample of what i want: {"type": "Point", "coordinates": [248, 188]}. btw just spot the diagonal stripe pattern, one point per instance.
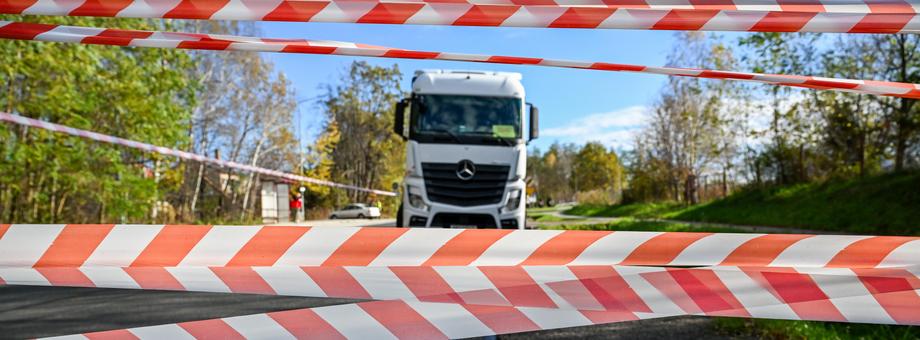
{"type": "Point", "coordinates": [45, 246]}
{"type": "Point", "coordinates": [847, 16]}
{"type": "Point", "coordinates": [569, 278]}
{"type": "Point", "coordinates": [176, 153]}
{"type": "Point", "coordinates": [86, 35]}
{"type": "Point", "coordinates": [843, 294]}
{"type": "Point", "coordinates": [761, 293]}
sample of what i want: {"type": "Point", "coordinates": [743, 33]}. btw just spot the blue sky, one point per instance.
{"type": "Point", "coordinates": [575, 105]}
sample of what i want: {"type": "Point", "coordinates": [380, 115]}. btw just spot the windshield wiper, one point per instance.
{"type": "Point", "coordinates": [449, 133]}
{"type": "Point", "coordinates": [506, 141]}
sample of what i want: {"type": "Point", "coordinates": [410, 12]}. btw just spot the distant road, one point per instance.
{"type": "Point", "coordinates": [384, 222]}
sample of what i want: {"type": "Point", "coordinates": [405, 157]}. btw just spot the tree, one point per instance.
{"type": "Point", "coordinates": [690, 125]}
{"type": "Point", "coordinates": [822, 134]}
{"type": "Point", "coordinates": [792, 128]}
{"type": "Point", "coordinates": [232, 103]}
{"type": "Point", "coordinates": [551, 172]}
{"type": "Point", "coordinates": [138, 94]}
{"type": "Point", "coordinates": [852, 124]}
{"type": "Point", "coordinates": [359, 146]}
{"type": "Point", "coordinates": [245, 115]}
{"type": "Point", "coordinates": [596, 168]}
{"type": "Point", "coordinates": [898, 60]}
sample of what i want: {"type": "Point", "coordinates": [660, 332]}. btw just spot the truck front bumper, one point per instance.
{"type": "Point", "coordinates": [440, 215]}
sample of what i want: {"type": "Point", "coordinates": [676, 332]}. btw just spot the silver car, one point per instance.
{"type": "Point", "coordinates": [356, 210]}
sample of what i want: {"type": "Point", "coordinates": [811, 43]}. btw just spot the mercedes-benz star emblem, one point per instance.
{"type": "Point", "coordinates": [466, 170]}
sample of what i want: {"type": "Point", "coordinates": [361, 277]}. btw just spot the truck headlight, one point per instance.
{"type": "Point", "coordinates": [415, 198]}
{"type": "Point", "coordinates": [514, 200]}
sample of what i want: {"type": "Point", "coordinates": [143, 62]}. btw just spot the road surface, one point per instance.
{"type": "Point", "coordinates": [31, 312]}
{"type": "Point", "coordinates": [383, 222]}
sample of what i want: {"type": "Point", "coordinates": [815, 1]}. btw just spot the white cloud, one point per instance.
{"type": "Point", "coordinates": [615, 128]}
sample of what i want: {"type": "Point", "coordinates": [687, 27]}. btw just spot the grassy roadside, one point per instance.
{"type": "Point", "coordinates": [881, 205]}
{"type": "Point", "coordinates": [551, 218]}
{"type": "Point", "coordinates": [784, 329]}
{"type": "Point", "coordinates": [637, 210]}
{"type": "Point", "coordinates": [547, 214]}
{"type": "Point", "coordinates": [632, 224]}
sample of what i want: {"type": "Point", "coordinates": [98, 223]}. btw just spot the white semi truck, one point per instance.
{"type": "Point", "coordinates": [466, 152]}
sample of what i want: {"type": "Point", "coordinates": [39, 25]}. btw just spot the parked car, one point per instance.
{"type": "Point", "coordinates": [356, 210]}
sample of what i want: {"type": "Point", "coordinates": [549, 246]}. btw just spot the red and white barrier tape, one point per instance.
{"type": "Point", "coordinates": [455, 283]}
{"type": "Point", "coordinates": [414, 319]}
{"type": "Point", "coordinates": [868, 16]}
{"type": "Point", "coordinates": [713, 291]}
{"type": "Point", "coordinates": [279, 7]}
{"type": "Point", "coordinates": [42, 246]}
{"type": "Point", "coordinates": [87, 35]}
{"type": "Point", "coordinates": [176, 153]}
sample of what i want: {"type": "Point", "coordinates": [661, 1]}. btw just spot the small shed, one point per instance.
{"type": "Point", "coordinates": [275, 197]}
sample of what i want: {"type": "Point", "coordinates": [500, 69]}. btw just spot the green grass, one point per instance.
{"type": "Point", "coordinates": [543, 210]}
{"type": "Point", "coordinates": [631, 224]}
{"type": "Point", "coordinates": [551, 218]}
{"type": "Point", "coordinates": [881, 205]}
{"type": "Point", "coordinates": [638, 210]}
{"type": "Point", "coordinates": [784, 329]}
{"type": "Point", "coordinates": [546, 215]}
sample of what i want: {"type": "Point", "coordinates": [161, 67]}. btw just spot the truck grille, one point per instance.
{"type": "Point", "coordinates": [480, 221]}
{"type": "Point", "coordinates": [486, 187]}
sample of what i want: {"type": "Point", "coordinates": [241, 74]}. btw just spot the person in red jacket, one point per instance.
{"type": "Point", "coordinates": [296, 206]}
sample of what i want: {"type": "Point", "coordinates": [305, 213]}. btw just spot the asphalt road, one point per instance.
{"type": "Point", "coordinates": [30, 312]}
{"type": "Point", "coordinates": [383, 222]}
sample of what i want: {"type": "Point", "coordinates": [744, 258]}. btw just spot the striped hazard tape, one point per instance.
{"type": "Point", "coordinates": [437, 283]}
{"type": "Point", "coordinates": [786, 295]}
{"type": "Point", "coordinates": [408, 319]}
{"type": "Point", "coordinates": [87, 35]}
{"type": "Point", "coordinates": [839, 294]}
{"type": "Point", "coordinates": [849, 16]}
{"type": "Point", "coordinates": [42, 246]}
{"type": "Point", "coordinates": [176, 153]}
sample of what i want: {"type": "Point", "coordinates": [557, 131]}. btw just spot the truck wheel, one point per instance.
{"type": "Point", "coordinates": [399, 217]}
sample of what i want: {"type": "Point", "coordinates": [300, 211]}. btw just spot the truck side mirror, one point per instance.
{"type": "Point", "coordinates": [534, 123]}
{"type": "Point", "coordinates": [399, 118]}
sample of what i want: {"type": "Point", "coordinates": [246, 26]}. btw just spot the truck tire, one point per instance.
{"type": "Point", "coordinates": [399, 217]}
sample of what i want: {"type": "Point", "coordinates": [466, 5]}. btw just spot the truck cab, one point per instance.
{"type": "Point", "coordinates": [466, 151]}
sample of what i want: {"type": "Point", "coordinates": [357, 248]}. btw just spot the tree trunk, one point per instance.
{"type": "Point", "coordinates": [249, 181]}
{"type": "Point", "coordinates": [862, 154]}
{"type": "Point", "coordinates": [902, 135]}
{"type": "Point", "coordinates": [900, 149]}
{"type": "Point", "coordinates": [155, 213]}
{"type": "Point", "coordinates": [60, 207]}
{"type": "Point", "coordinates": [53, 204]}
{"type": "Point", "coordinates": [197, 190]}
{"type": "Point", "coordinates": [803, 176]}
{"type": "Point", "coordinates": [903, 114]}
{"type": "Point", "coordinates": [690, 190]}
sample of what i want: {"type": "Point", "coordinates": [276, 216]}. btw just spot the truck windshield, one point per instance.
{"type": "Point", "coordinates": [466, 119]}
